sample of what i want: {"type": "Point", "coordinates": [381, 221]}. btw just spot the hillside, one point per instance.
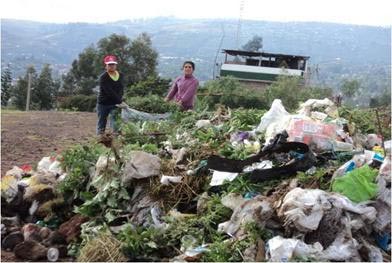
{"type": "Point", "coordinates": [362, 51]}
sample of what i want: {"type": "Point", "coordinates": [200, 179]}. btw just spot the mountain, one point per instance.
{"type": "Point", "coordinates": [337, 50]}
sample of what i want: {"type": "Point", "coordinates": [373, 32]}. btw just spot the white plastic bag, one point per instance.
{"type": "Point", "coordinates": [304, 208]}
{"type": "Point", "coordinates": [307, 107]}
{"type": "Point", "coordinates": [284, 249]}
{"type": "Point", "coordinates": [44, 164]}
{"type": "Point", "coordinates": [166, 180]}
{"type": "Point", "coordinates": [15, 172]}
{"type": "Point", "coordinates": [274, 114]}
{"type": "Point", "coordinates": [219, 177]}
{"type": "Point", "coordinates": [342, 249]}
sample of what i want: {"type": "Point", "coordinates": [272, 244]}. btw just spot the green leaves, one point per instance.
{"type": "Point", "coordinates": [137, 61]}
{"type": "Point", "coordinates": [150, 103]}
{"type": "Point", "coordinates": [110, 196]}
{"type": "Point", "coordinates": [151, 86]}
{"type": "Point", "coordinates": [142, 242]}
{"type": "Point", "coordinates": [366, 120]}
{"type": "Point", "coordinates": [76, 162]}
{"type": "Point", "coordinates": [245, 119]}
{"type": "Point", "coordinates": [229, 92]}
{"type": "Point", "coordinates": [6, 85]}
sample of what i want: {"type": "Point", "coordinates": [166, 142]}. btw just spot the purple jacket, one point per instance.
{"type": "Point", "coordinates": [184, 90]}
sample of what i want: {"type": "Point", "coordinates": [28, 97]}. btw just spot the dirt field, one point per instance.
{"type": "Point", "coordinates": [26, 137]}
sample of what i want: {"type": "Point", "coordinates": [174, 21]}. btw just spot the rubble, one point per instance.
{"type": "Point", "coordinates": [298, 187]}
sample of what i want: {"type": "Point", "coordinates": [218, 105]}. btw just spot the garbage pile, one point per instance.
{"type": "Point", "coordinates": [232, 185]}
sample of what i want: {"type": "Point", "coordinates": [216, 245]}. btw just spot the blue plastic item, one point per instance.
{"type": "Point", "coordinates": [383, 241]}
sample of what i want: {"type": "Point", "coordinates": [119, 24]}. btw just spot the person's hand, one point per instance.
{"type": "Point", "coordinates": [166, 99]}
{"type": "Point", "coordinates": [122, 105]}
{"type": "Point", "coordinates": [179, 103]}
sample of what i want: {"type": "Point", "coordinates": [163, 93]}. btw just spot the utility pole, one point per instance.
{"type": "Point", "coordinates": [217, 52]}
{"type": "Point", "coordinates": [28, 93]}
{"type": "Point", "coordinates": [242, 4]}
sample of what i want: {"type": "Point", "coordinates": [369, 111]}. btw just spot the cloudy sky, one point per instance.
{"type": "Point", "coordinates": [362, 12]}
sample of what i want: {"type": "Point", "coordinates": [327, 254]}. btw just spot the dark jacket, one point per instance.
{"type": "Point", "coordinates": [110, 91]}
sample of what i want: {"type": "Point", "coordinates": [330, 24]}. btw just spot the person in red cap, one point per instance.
{"type": "Point", "coordinates": [111, 90]}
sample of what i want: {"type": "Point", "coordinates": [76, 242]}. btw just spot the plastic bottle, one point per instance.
{"type": "Point", "coordinates": [52, 254]}
{"type": "Point", "coordinates": [342, 146]}
{"type": "Point", "coordinates": [188, 242]}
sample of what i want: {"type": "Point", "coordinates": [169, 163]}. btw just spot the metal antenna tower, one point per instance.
{"type": "Point", "coordinates": [242, 4]}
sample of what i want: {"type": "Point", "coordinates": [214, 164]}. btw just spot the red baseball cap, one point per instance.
{"type": "Point", "coordinates": [110, 59]}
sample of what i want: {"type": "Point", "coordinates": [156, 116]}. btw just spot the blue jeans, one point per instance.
{"type": "Point", "coordinates": [103, 112]}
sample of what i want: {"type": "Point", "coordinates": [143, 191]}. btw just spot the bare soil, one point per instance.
{"type": "Point", "coordinates": [26, 137]}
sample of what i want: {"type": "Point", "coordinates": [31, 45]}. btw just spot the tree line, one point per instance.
{"type": "Point", "coordinates": [137, 61]}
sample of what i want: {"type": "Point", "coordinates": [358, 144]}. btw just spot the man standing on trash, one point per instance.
{"type": "Point", "coordinates": [111, 90]}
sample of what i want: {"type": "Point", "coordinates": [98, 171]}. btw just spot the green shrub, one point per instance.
{"type": "Point", "coordinates": [287, 89]}
{"type": "Point", "coordinates": [77, 161]}
{"type": "Point", "coordinates": [151, 103]}
{"type": "Point", "coordinates": [79, 103]}
{"type": "Point", "coordinates": [366, 120]}
{"type": "Point", "coordinates": [229, 92]}
{"type": "Point", "coordinates": [292, 92]}
{"type": "Point", "coordinates": [150, 86]}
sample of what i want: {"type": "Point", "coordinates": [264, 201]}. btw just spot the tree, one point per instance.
{"type": "Point", "coordinates": [144, 59]}
{"type": "Point", "coordinates": [68, 87]}
{"type": "Point", "coordinates": [6, 86]}
{"type": "Point", "coordinates": [151, 86]}
{"type": "Point", "coordinates": [381, 100]}
{"type": "Point", "coordinates": [45, 89]}
{"type": "Point", "coordinates": [229, 92]}
{"type": "Point", "coordinates": [137, 60]}
{"type": "Point", "coordinates": [255, 44]}
{"type": "Point", "coordinates": [118, 45]}
{"type": "Point", "coordinates": [288, 89]}
{"type": "Point", "coordinates": [350, 87]}
{"type": "Point", "coordinates": [20, 91]}
{"type": "Point", "coordinates": [82, 78]}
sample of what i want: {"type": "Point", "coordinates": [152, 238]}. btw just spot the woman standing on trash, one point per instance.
{"type": "Point", "coordinates": [183, 90]}
{"type": "Point", "coordinates": [111, 91]}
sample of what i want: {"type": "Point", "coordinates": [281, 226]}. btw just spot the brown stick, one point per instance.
{"type": "Point", "coordinates": [380, 130]}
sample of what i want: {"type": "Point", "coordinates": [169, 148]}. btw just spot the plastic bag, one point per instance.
{"type": "Point", "coordinates": [284, 249]}
{"type": "Point", "coordinates": [342, 249]}
{"type": "Point", "coordinates": [385, 169]}
{"type": "Point", "coordinates": [322, 135]}
{"type": "Point", "coordinates": [274, 114]}
{"type": "Point", "coordinates": [9, 187]}
{"type": "Point", "coordinates": [15, 172]}
{"type": "Point", "coordinates": [166, 180]}
{"type": "Point", "coordinates": [219, 177]}
{"type": "Point", "coordinates": [44, 163]}
{"type": "Point", "coordinates": [357, 161]}
{"type": "Point", "coordinates": [258, 210]}
{"type": "Point", "coordinates": [358, 185]}
{"type": "Point", "coordinates": [309, 105]}
{"type": "Point", "coordinates": [304, 208]}
{"type": "Point", "coordinates": [367, 213]}
{"type": "Point", "coordinates": [129, 114]}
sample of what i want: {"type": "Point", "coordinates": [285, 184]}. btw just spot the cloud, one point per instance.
{"type": "Point", "coordinates": [365, 12]}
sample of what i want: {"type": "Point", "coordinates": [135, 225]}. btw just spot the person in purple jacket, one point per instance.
{"type": "Point", "coordinates": [183, 90]}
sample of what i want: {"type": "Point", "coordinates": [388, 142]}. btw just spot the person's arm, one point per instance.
{"type": "Point", "coordinates": [173, 91]}
{"type": "Point", "coordinates": [102, 90]}
{"type": "Point", "coordinates": [121, 93]}
{"type": "Point", "coordinates": [190, 91]}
